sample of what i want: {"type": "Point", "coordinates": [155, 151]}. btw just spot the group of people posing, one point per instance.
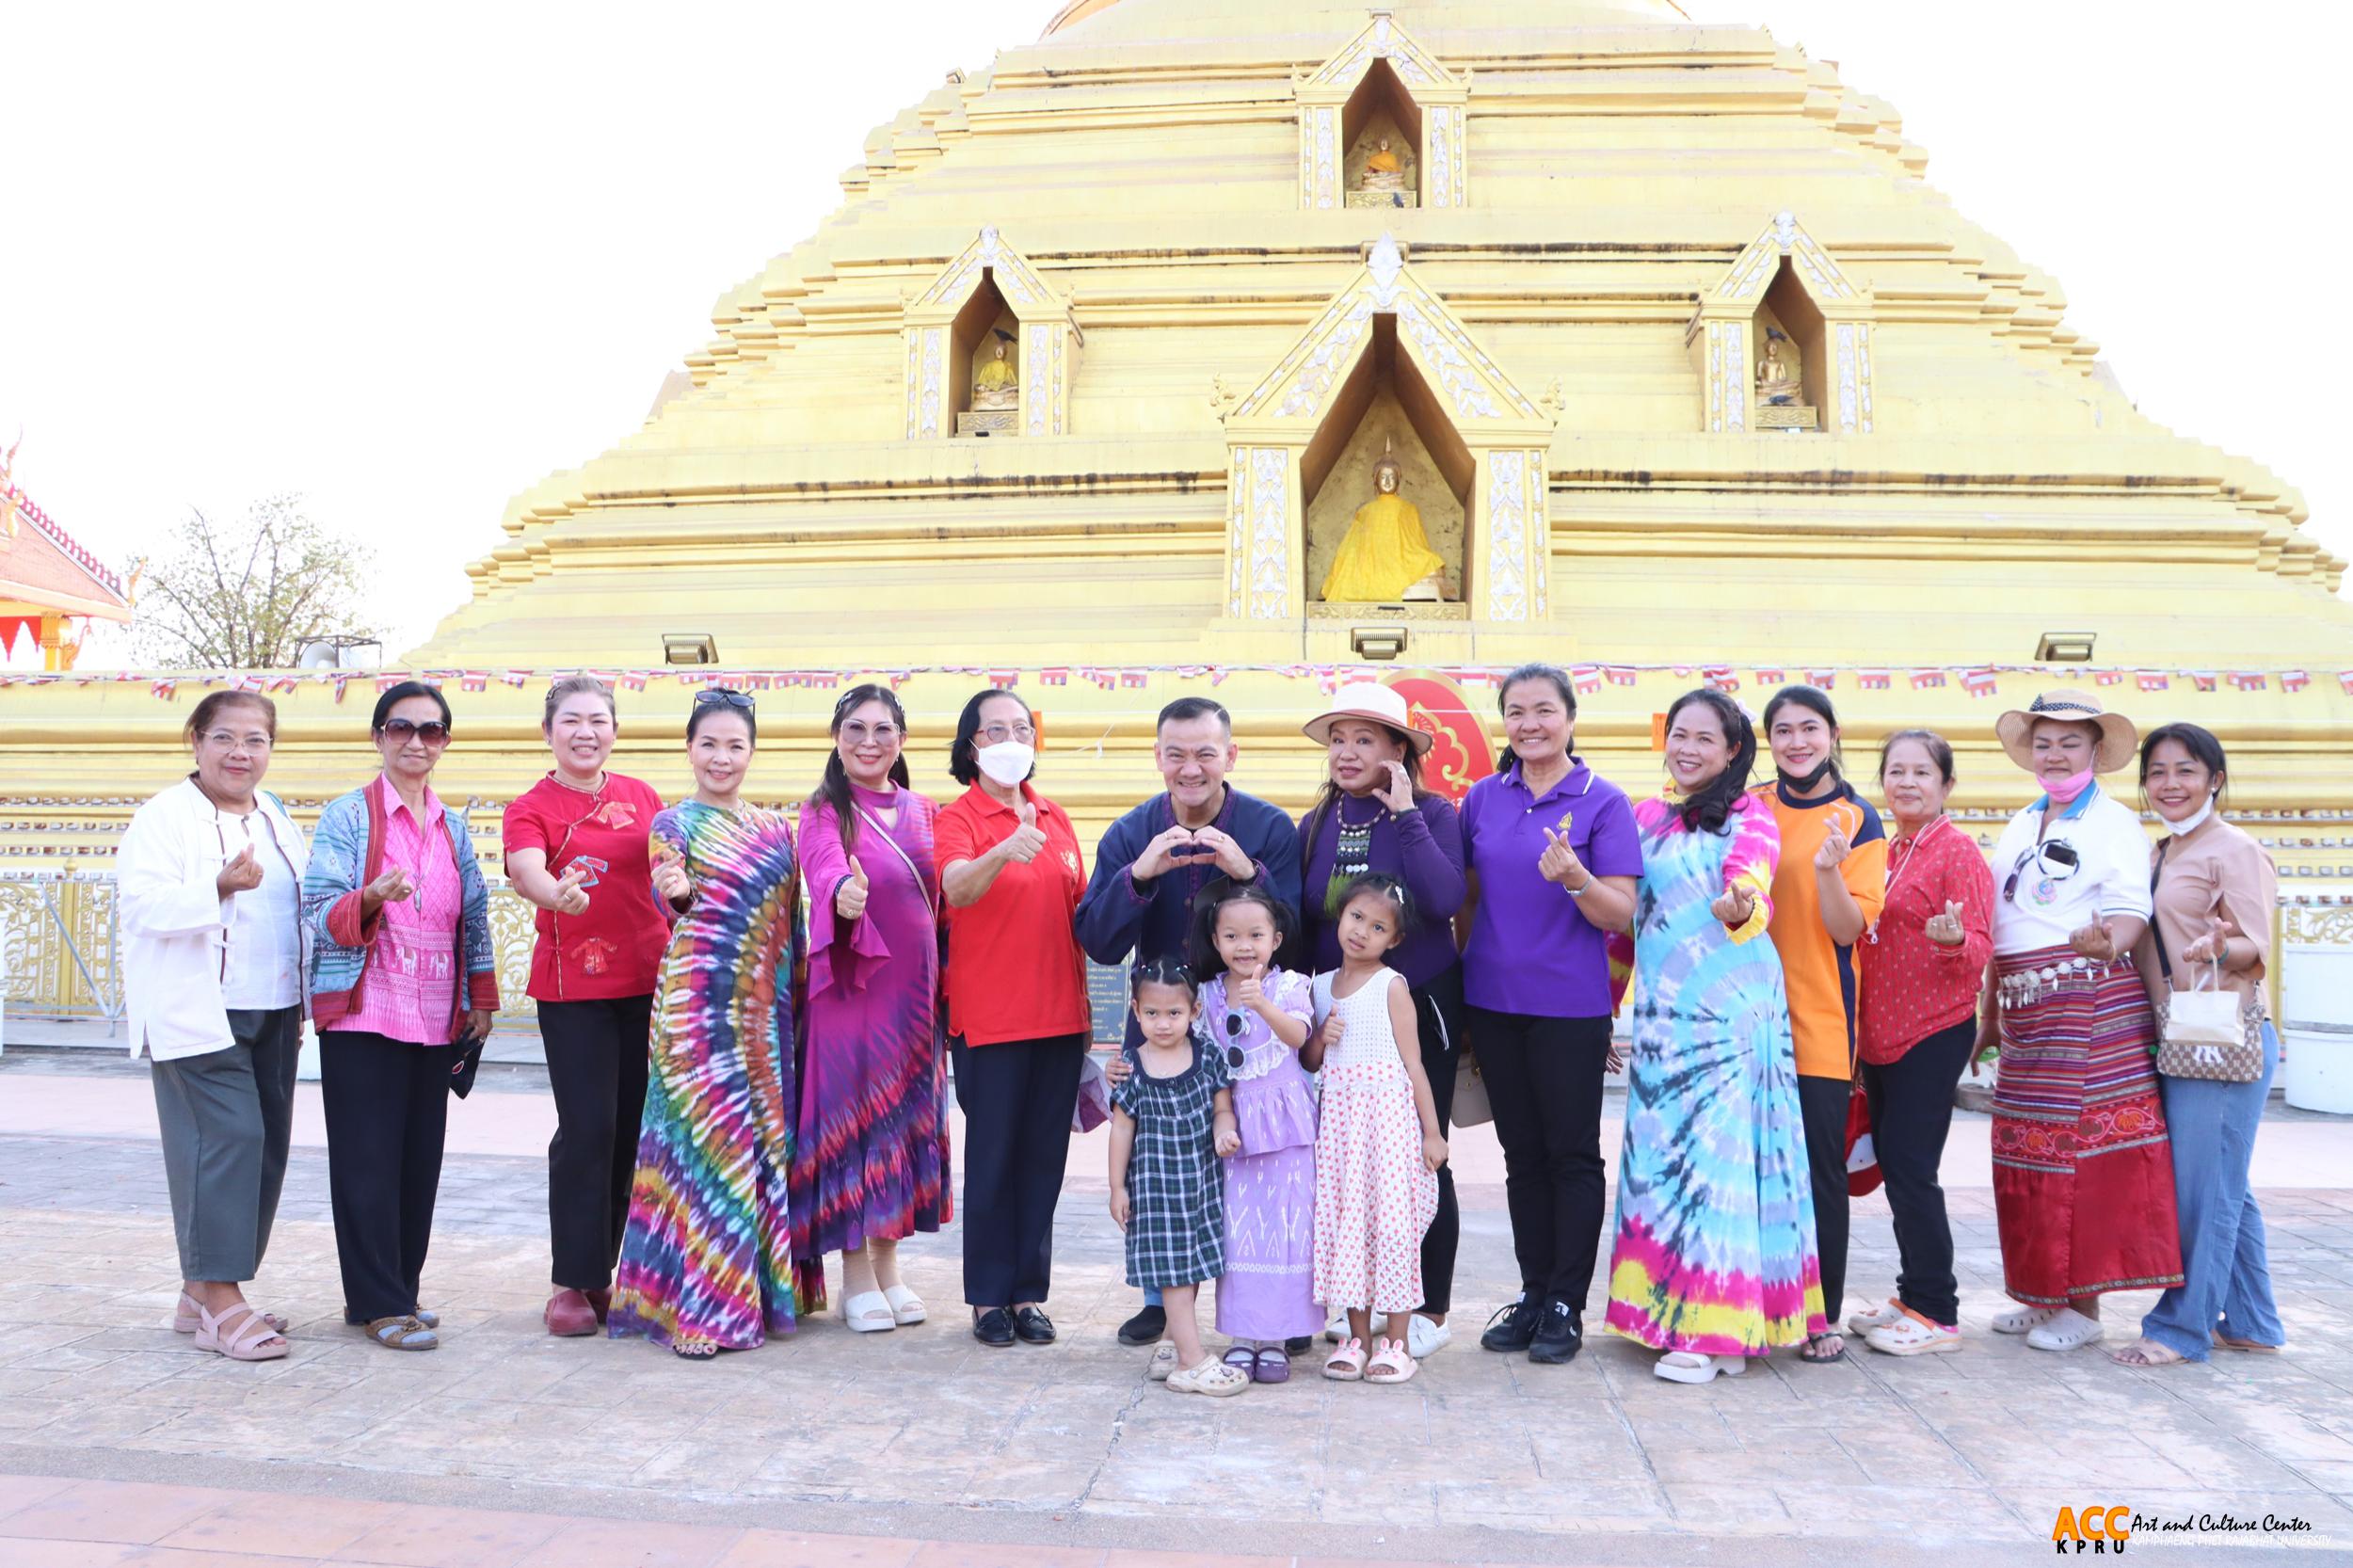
{"type": "Point", "coordinates": [750, 1024]}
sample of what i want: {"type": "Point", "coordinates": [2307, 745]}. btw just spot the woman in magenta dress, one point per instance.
{"type": "Point", "coordinates": [871, 1157]}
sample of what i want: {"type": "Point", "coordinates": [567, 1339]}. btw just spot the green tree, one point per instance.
{"type": "Point", "coordinates": [249, 595]}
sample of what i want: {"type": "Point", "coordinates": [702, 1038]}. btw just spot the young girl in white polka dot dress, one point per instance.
{"type": "Point", "coordinates": [1378, 1148]}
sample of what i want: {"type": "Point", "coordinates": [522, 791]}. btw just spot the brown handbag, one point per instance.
{"type": "Point", "coordinates": [2207, 1032]}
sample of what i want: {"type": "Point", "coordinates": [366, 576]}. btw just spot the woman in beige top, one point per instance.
{"type": "Point", "coordinates": [2214, 891]}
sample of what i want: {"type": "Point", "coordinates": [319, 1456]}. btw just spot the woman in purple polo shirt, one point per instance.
{"type": "Point", "coordinates": [1554, 854]}
{"type": "Point", "coordinates": [1374, 815]}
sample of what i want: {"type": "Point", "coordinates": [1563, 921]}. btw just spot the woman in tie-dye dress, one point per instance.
{"type": "Point", "coordinates": [707, 1260]}
{"type": "Point", "coordinates": [1715, 1260]}
{"type": "Point", "coordinates": [870, 1150]}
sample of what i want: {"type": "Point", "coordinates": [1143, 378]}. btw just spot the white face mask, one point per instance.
{"type": "Point", "coordinates": [2189, 824]}
{"type": "Point", "coordinates": [1007, 762]}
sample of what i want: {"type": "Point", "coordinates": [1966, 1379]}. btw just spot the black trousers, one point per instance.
{"type": "Point", "coordinates": [1544, 1078]}
{"type": "Point", "coordinates": [1016, 1097]}
{"type": "Point", "coordinates": [597, 1053]}
{"type": "Point", "coordinates": [387, 1104]}
{"type": "Point", "coordinates": [1438, 1013]}
{"type": "Point", "coordinates": [1912, 1111]}
{"type": "Point", "coordinates": [1823, 1102]}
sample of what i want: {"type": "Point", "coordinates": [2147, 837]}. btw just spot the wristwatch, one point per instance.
{"type": "Point", "coordinates": [1583, 888]}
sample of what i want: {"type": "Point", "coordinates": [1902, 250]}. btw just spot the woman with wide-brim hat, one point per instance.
{"type": "Point", "coordinates": [1373, 815]}
{"type": "Point", "coordinates": [2082, 1176]}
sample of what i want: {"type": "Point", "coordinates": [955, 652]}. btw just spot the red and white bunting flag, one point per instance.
{"type": "Point", "coordinates": [1872, 681]}
{"type": "Point", "coordinates": [1328, 679]}
{"type": "Point", "coordinates": [2107, 677]}
{"type": "Point", "coordinates": [1292, 672]}
{"type": "Point", "coordinates": [1004, 680]}
{"type": "Point", "coordinates": [2205, 680]}
{"type": "Point", "coordinates": [2155, 681]}
{"type": "Point", "coordinates": [246, 683]}
{"type": "Point", "coordinates": [341, 681]}
{"type": "Point", "coordinates": [2250, 681]}
{"type": "Point", "coordinates": [1133, 679]}
{"type": "Point", "coordinates": [900, 678]}
{"type": "Point", "coordinates": [1218, 674]}
{"type": "Point", "coordinates": [514, 677]}
{"type": "Point", "coordinates": [1586, 679]}
{"type": "Point", "coordinates": [1720, 678]}
{"type": "Point", "coordinates": [1981, 684]}
{"type": "Point", "coordinates": [1619, 675]}
{"type": "Point", "coordinates": [1054, 675]}
{"type": "Point", "coordinates": [2295, 680]}
{"type": "Point", "coordinates": [474, 681]}
{"type": "Point", "coordinates": [1826, 679]}
{"type": "Point", "coordinates": [386, 683]}
{"type": "Point", "coordinates": [164, 689]}
{"type": "Point", "coordinates": [633, 681]}
{"type": "Point", "coordinates": [1772, 676]}
{"type": "Point", "coordinates": [1923, 681]}
{"type": "Point", "coordinates": [2345, 681]}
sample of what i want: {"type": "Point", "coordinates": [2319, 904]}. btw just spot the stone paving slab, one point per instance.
{"type": "Point", "coordinates": [925, 1435]}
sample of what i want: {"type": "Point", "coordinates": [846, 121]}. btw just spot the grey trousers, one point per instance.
{"type": "Point", "coordinates": [227, 1117]}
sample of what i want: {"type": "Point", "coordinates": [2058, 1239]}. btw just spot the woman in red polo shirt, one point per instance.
{"type": "Point", "coordinates": [576, 845]}
{"type": "Point", "coordinates": [1017, 1010]}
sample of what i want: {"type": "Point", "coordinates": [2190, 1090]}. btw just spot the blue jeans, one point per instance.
{"type": "Point", "coordinates": [2227, 1268]}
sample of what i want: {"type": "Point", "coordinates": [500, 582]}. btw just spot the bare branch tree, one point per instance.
{"type": "Point", "coordinates": [250, 596]}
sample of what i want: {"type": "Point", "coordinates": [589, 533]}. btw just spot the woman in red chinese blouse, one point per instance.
{"type": "Point", "coordinates": [1017, 1017]}
{"type": "Point", "coordinates": [1919, 970]}
{"type": "Point", "coordinates": [577, 848]}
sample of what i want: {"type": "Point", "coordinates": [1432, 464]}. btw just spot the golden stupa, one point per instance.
{"type": "Point", "coordinates": [1685, 364]}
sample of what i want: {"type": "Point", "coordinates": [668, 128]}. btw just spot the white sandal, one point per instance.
{"type": "Point", "coordinates": [1887, 1315]}
{"type": "Point", "coordinates": [2024, 1320]}
{"type": "Point", "coordinates": [2068, 1330]}
{"type": "Point", "coordinates": [868, 1312]}
{"type": "Point", "coordinates": [1163, 1362]}
{"type": "Point", "coordinates": [1691, 1366]}
{"type": "Point", "coordinates": [907, 1308]}
{"type": "Point", "coordinates": [1213, 1376]}
{"type": "Point", "coordinates": [1911, 1334]}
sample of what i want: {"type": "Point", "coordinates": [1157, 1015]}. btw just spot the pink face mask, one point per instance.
{"type": "Point", "coordinates": [2068, 791]}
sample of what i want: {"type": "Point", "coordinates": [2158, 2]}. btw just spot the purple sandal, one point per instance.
{"type": "Point", "coordinates": [1270, 1365]}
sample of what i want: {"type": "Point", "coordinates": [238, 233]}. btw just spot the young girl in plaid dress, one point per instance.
{"type": "Point", "coordinates": [1172, 1120]}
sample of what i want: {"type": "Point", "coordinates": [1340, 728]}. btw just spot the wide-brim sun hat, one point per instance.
{"type": "Point", "coordinates": [1375, 703]}
{"type": "Point", "coordinates": [2119, 740]}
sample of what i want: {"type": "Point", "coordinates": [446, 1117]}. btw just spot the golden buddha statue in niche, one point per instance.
{"type": "Point", "coordinates": [1383, 170]}
{"type": "Point", "coordinates": [1777, 380]}
{"type": "Point", "coordinates": [1384, 558]}
{"type": "Point", "coordinates": [994, 385]}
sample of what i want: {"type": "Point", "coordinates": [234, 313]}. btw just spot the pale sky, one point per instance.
{"type": "Point", "coordinates": [409, 259]}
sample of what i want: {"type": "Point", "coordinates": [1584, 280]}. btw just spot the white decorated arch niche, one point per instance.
{"type": "Point", "coordinates": [1387, 364]}
{"type": "Point", "coordinates": [990, 297]}
{"type": "Point", "coordinates": [1383, 87]}
{"type": "Point", "coordinates": [1782, 341]}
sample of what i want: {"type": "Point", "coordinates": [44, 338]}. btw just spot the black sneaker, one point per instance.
{"type": "Point", "coordinates": [1560, 1334]}
{"type": "Point", "coordinates": [1146, 1327]}
{"type": "Point", "coordinates": [993, 1328]}
{"type": "Point", "coordinates": [1514, 1326]}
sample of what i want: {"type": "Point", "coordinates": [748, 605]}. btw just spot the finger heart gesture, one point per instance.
{"type": "Point", "coordinates": [1397, 793]}
{"type": "Point", "coordinates": [1944, 929]}
{"type": "Point", "coordinates": [1559, 862]}
{"type": "Point", "coordinates": [1734, 906]}
{"type": "Point", "coordinates": [1835, 845]}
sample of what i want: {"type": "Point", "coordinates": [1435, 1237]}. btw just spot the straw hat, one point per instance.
{"type": "Point", "coordinates": [1371, 701]}
{"type": "Point", "coordinates": [2119, 740]}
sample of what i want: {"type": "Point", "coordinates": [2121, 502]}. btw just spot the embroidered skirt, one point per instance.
{"type": "Point", "coordinates": [2083, 1173]}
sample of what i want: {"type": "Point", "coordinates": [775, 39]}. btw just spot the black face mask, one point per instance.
{"type": "Point", "coordinates": [1803, 784]}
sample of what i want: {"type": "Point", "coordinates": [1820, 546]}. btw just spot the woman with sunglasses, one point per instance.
{"type": "Point", "coordinates": [1018, 1015]}
{"type": "Point", "coordinates": [2083, 1177]}
{"type": "Point", "coordinates": [210, 885]}
{"type": "Point", "coordinates": [1373, 814]}
{"type": "Point", "coordinates": [577, 849]}
{"type": "Point", "coordinates": [403, 969]}
{"type": "Point", "coordinates": [705, 1260]}
{"type": "Point", "coordinates": [870, 1153]}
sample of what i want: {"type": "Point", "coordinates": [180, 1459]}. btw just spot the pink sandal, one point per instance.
{"type": "Point", "coordinates": [1346, 1363]}
{"type": "Point", "coordinates": [1390, 1363]}
{"type": "Point", "coordinates": [184, 1317]}
{"type": "Point", "coordinates": [253, 1340]}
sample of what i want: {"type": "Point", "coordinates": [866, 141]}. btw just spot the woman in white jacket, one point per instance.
{"type": "Point", "coordinates": [209, 879]}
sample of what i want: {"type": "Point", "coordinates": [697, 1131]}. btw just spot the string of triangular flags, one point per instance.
{"type": "Point", "coordinates": [1981, 680]}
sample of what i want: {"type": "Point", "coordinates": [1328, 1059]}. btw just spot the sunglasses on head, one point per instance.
{"type": "Point", "coordinates": [710, 694]}
{"type": "Point", "coordinates": [433, 733]}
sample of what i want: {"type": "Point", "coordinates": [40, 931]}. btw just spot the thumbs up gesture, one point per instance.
{"type": "Point", "coordinates": [572, 896]}
{"type": "Point", "coordinates": [1734, 904]}
{"type": "Point", "coordinates": [1027, 839]}
{"type": "Point", "coordinates": [849, 899]}
{"type": "Point", "coordinates": [2095, 941]}
{"type": "Point", "coordinates": [1559, 862]}
{"type": "Point", "coordinates": [1945, 929]}
{"type": "Point", "coordinates": [241, 875]}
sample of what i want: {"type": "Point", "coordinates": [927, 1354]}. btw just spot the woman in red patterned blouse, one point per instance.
{"type": "Point", "coordinates": [1918, 974]}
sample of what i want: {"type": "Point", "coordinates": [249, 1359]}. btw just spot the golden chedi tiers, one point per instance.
{"type": "Point", "coordinates": [1115, 352]}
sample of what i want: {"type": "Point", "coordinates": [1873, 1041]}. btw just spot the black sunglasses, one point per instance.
{"type": "Point", "coordinates": [710, 694]}
{"type": "Point", "coordinates": [432, 732]}
{"type": "Point", "coordinates": [2058, 860]}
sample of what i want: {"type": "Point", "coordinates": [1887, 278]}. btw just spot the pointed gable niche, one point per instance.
{"type": "Point", "coordinates": [1786, 284]}
{"type": "Point", "coordinates": [989, 295]}
{"type": "Point", "coordinates": [1382, 86]}
{"type": "Point", "coordinates": [1387, 360]}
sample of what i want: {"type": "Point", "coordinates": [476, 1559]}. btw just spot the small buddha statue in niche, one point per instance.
{"type": "Point", "coordinates": [994, 385]}
{"type": "Point", "coordinates": [1384, 171]}
{"type": "Point", "coordinates": [1384, 558]}
{"type": "Point", "coordinates": [1777, 381]}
